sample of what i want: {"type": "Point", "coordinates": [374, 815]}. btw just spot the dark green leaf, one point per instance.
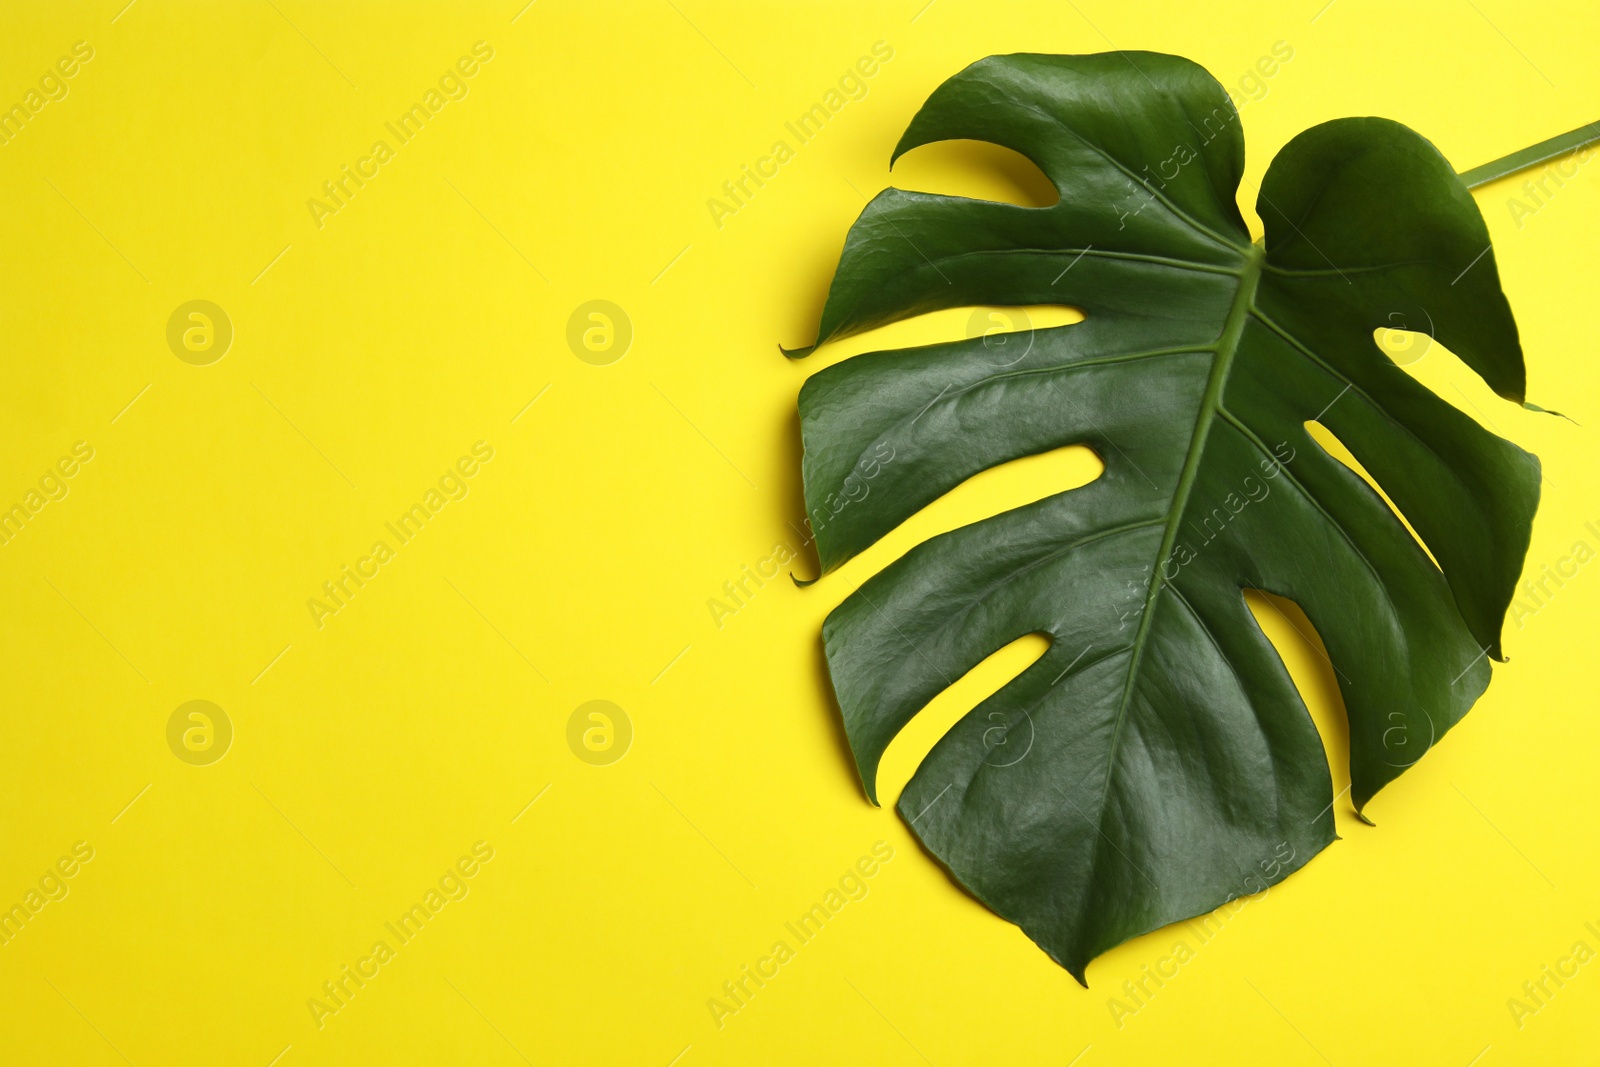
{"type": "Point", "coordinates": [1157, 760]}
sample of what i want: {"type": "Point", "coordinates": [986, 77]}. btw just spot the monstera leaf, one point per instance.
{"type": "Point", "coordinates": [1157, 760]}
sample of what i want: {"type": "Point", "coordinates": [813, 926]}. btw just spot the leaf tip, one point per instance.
{"type": "Point", "coordinates": [1530, 406]}
{"type": "Point", "coordinates": [797, 353]}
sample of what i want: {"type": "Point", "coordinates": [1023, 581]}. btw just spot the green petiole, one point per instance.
{"type": "Point", "coordinates": [1532, 155]}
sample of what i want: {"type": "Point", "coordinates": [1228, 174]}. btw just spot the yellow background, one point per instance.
{"type": "Point", "coordinates": [370, 353]}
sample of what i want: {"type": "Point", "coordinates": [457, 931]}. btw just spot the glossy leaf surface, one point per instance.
{"type": "Point", "coordinates": [1157, 761]}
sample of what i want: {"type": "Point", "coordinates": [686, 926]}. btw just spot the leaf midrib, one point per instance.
{"type": "Point", "coordinates": [1226, 347]}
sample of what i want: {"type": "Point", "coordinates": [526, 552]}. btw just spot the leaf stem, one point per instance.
{"type": "Point", "coordinates": [1532, 155]}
